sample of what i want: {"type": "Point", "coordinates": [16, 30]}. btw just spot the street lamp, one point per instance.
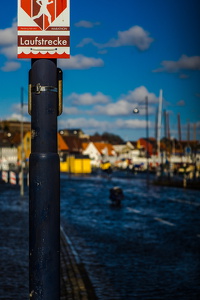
{"type": "Point", "coordinates": [136, 111]}
{"type": "Point", "coordinates": [147, 137]}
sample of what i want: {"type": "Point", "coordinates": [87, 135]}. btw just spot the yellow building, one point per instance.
{"type": "Point", "coordinates": [76, 164]}
{"type": "Point", "coordinates": [26, 147]}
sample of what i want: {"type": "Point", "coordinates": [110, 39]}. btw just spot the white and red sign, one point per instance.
{"type": "Point", "coordinates": [5, 176]}
{"type": "Point", "coordinates": [43, 29]}
{"type": "Point", "coordinates": [13, 177]}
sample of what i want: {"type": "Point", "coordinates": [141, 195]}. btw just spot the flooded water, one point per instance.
{"type": "Point", "coordinates": [13, 245]}
{"type": "Point", "coordinates": [149, 248]}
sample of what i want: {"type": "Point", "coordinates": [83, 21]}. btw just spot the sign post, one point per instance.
{"type": "Point", "coordinates": [43, 36]}
{"type": "Point", "coordinates": [43, 29]}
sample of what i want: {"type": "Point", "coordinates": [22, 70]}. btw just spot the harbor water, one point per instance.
{"type": "Point", "coordinates": [148, 248]}
{"type": "Point", "coordinates": [13, 244]}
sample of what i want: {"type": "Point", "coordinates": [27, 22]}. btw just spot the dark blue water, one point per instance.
{"type": "Point", "coordinates": [147, 249]}
{"type": "Point", "coordinates": [13, 244]}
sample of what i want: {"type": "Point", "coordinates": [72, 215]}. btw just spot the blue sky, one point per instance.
{"type": "Point", "coordinates": [121, 52]}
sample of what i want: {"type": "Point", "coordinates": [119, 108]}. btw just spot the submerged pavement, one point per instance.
{"type": "Point", "coordinates": [14, 273]}
{"type": "Point", "coordinates": [75, 282]}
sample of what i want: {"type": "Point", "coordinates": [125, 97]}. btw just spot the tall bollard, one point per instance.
{"type": "Point", "coordinates": [44, 197]}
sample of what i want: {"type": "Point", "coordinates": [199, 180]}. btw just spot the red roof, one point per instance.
{"type": "Point", "coordinates": [104, 146]}
{"type": "Point", "coordinates": [61, 143]}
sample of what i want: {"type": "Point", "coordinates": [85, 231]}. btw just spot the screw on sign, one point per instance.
{"type": "Point", "coordinates": [46, 21]}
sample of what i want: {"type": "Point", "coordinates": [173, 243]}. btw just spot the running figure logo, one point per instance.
{"type": "Point", "coordinates": [43, 10]}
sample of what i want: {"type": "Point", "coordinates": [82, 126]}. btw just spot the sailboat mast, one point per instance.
{"type": "Point", "coordinates": [179, 128]}
{"type": "Point", "coordinates": [159, 121]}
{"type": "Point", "coordinates": [168, 127]}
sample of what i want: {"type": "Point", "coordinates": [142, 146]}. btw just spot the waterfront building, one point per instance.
{"type": "Point", "coordinates": [99, 152]}
{"type": "Point", "coordinates": [75, 132]}
{"type": "Point", "coordinates": [78, 164]}
{"type": "Point", "coordinates": [13, 126]}
{"type": "Point", "coordinates": [8, 151]}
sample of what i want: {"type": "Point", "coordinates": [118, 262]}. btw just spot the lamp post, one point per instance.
{"type": "Point", "coordinates": [147, 138]}
{"type": "Point", "coordinates": [136, 111]}
{"type": "Point", "coordinates": [159, 123]}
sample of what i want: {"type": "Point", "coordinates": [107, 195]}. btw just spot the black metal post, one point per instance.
{"type": "Point", "coordinates": [44, 197]}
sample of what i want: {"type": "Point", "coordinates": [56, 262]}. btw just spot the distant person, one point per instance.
{"type": "Point", "coordinates": [43, 9]}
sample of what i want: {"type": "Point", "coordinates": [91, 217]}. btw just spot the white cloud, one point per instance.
{"type": "Point", "coordinates": [16, 107]}
{"type": "Point", "coordinates": [132, 124]}
{"type": "Point", "coordinates": [139, 94]}
{"type": "Point", "coordinates": [17, 117]}
{"type": "Point", "coordinates": [122, 107]}
{"type": "Point", "coordinates": [10, 51]}
{"type": "Point", "coordinates": [86, 41]}
{"type": "Point", "coordinates": [8, 47]}
{"type": "Point", "coordinates": [90, 124]}
{"type": "Point", "coordinates": [119, 108]}
{"type": "Point", "coordinates": [125, 105]}
{"type": "Point", "coordinates": [184, 63]}
{"type": "Point", "coordinates": [134, 36]}
{"type": "Point", "coordinates": [80, 62]}
{"type": "Point", "coordinates": [88, 98]}
{"type": "Point", "coordinates": [8, 36]}
{"type": "Point", "coordinates": [93, 124]}
{"type": "Point", "coordinates": [11, 66]}
{"type": "Point", "coordinates": [70, 110]}
{"type": "Point", "coordinates": [16, 113]}
{"type": "Point", "coordinates": [86, 24]}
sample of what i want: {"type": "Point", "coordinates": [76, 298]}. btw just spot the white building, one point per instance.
{"type": "Point", "coordinates": [8, 156]}
{"type": "Point", "coordinates": [99, 152]}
